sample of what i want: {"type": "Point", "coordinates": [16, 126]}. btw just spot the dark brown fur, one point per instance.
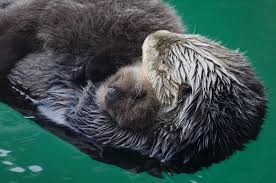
{"type": "Point", "coordinates": [106, 34]}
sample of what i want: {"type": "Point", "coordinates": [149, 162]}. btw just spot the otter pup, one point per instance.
{"type": "Point", "coordinates": [129, 98]}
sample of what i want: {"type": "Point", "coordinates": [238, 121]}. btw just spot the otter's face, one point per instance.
{"type": "Point", "coordinates": [162, 65]}
{"type": "Point", "coordinates": [128, 98]}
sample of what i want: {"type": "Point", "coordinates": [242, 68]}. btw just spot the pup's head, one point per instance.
{"type": "Point", "coordinates": [128, 98]}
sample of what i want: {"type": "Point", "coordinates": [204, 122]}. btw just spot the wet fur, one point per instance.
{"type": "Point", "coordinates": [224, 109]}
{"type": "Point", "coordinates": [195, 135]}
{"type": "Point", "coordinates": [210, 123]}
{"type": "Point", "coordinates": [226, 103]}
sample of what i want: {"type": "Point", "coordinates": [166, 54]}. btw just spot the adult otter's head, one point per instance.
{"type": "Point", "coordinates": [128, 98]}
{"type": "Point", "coordinates": [175, 62]}
{"type": "Point", "coordinates": [225, 104]}
{"type": "Point", "coordinates": [163, 72]}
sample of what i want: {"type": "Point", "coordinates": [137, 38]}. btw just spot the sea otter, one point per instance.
{"type": "Point", "coordinates": [165, 77]}
{"type": "Point", "coordinates": [101, 36]}
{"type": "Point", "coordinates": [220, 107]}
{"type": "Point", "coordinates": [208, 122]}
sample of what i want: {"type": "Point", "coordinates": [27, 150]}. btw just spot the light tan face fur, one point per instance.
{"type": "Point", "coordinates": [162, 73]}
{"type": "Point", "coordinates": [128, 98]}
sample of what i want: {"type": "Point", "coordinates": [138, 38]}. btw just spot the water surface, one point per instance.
{"type": "Point", "coordinates": [30, 154]}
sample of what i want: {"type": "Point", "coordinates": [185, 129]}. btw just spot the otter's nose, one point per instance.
{"type": "Point", "coordinates": [112, 95]}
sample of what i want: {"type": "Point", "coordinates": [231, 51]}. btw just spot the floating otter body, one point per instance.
{"type": "Point", "coordinates": [210, 122]}
{"type": "Point", "coordinates": [220, 107]}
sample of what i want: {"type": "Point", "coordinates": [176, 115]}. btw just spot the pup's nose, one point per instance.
{"type": "Point", "coordinates": [112, 95]}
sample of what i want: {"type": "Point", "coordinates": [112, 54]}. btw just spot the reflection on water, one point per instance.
{"type": "Point", "coordinates": [35, 168]}
{"type": "Point", "coordinates": [17, 169]}
{"type": "Point", "coordinates": [7, 163]}
{"type": "Point", "coordinates": [4, 153]}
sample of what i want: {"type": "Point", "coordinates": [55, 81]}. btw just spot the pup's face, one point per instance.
{"type": "Point", "coordinates": [128, 98]}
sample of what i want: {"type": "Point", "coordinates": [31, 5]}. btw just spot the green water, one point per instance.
{"type": "Point", "coordinates": [246, 24]}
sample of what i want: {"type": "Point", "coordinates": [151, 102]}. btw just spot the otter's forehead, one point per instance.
{"type": "Point", "coordinates": [161, 41]}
